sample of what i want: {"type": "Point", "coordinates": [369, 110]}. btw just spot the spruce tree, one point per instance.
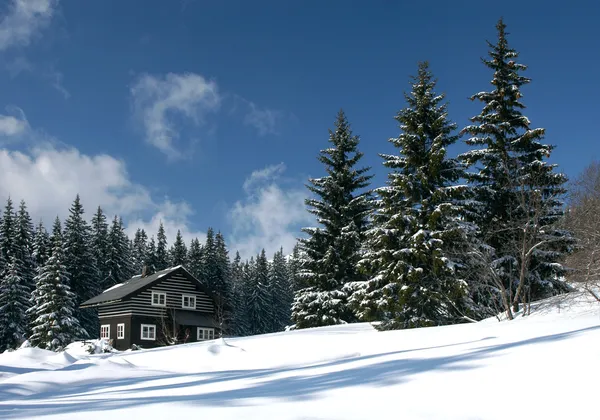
{"type": "Point", "coordinates": [140, 251]}
{"type": "Point", "coordinates": [162, 252]}
{"type": "Point", "coordinates": [332, 251]}
{"type": "Point", "coordinates": [195, 260]}
{"type": "Point", "coordinates": [518, 190]}
{"type": "Point", "coordinates": [80, 263]}
{"type": "Point", "coordinates": [42, 247]}
{"type": "Point", "coordinates": [55, 325]}
{"type": "Point", "coordinates": [152, 261]}
{"type": "Point", "coordinates": [100, 248]}
{"type": "Point", "coordinates": [411, 255]}
{"type": "Point", "coordinates": [119, 254]}
{"type": "Point", "coordinates": [24, 242]}
{"type": "Point", "coordinates": [281, 292]}
{"type": "Point", "coordinates": [295, 267]}
{"type": "Point", "coordinates": [15, 288]}
{"type": "Point", "coordinates": [14, 302]}
{"type": "Point", "coordinates": [238, 297]}
{"type": "Point", "coordinates": [256, 278]}
{"type": "Point", "coordinates": [7, 235]}
{"type": "Point", "coordinates": [209, 261]}
{"type": "Point", "coordinates": [179, 252]}
{"type": "Point", "coordinates": [222, 276]}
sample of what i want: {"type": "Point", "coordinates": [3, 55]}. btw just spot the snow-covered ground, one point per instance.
{"type": "Point", "coordinates": [545, 366]}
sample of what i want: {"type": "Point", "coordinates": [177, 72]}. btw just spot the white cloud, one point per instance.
{"type": "Point", "coordinates": [11, 126]}
{"type": "Point", "coordinates": [157, 99]}
{"type": "Point", "coordinates": [48, 178]}
{"type": "Point", "coordinates": [261, 175]}
{"type": "Point", "coordinates": [269, 216]}
{"type": "Point", "coordinates": [174, 217]}
{"type": "Point", "coordinates": [23, 20]}
{"type": "Point", "coordinates": [264, 120]}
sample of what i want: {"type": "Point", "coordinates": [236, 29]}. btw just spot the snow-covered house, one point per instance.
{"type": "Point", "coordinates": [150, 310]}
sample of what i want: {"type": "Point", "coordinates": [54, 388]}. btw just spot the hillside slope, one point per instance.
{"type": "Point", "coordinates": [542, 366]}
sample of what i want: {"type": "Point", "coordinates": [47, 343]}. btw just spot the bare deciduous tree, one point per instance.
{"type": "Point", "coordinates": [583, 218]}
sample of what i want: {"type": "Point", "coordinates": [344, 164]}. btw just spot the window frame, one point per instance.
{"type": "Point", "coordinates": [183, 296]}
{"type": "Point", "coordinates": [159, 294]}
{"type": "Point", "coordinates": [103, 327]}
{"type": "Point", "coordinates": [151, 327]}
{"type": "Point", "coordinates": [121, 336]}
{"type": "Point", "coordinates": [205, 330]}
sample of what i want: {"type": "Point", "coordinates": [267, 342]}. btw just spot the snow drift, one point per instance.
{"type": "Point", "coordinates": [540, 366]}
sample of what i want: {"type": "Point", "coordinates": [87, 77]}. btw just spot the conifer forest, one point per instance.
{"type": "Point", "coordinates": [447, 239]}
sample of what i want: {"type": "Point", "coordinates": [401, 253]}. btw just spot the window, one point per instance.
{"type": "Point", "coordinates": [148, 332]}
{"type": "Point", "coordinates": [120, 331]}
{"type": "Point", "coordinates": [159, 299]}
{"type": "Point", "coordinates": [104, 331]}
{"type": "Point", "coordinates": [188, 301]}
{"type": "Point", "coordinates": [206, 334]}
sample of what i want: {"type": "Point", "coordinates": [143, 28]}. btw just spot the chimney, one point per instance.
{"type": "Point", "coordinates": [144, 271]}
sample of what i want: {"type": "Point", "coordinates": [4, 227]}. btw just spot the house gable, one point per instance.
{"type": "Point", "coordinates": [134, 297]}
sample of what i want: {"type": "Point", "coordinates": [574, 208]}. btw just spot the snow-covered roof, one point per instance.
{"type": "Point", "coordinates": [122, 290]}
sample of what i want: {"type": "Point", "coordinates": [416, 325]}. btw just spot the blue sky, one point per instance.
{"type": "Point", "coordinates": [203, 113]}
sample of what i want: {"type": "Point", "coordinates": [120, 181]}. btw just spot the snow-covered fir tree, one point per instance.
{"type": "Point", "coordinates": [196, 259]}
{"type": "Point", "coordinates": [414, 280]}
{"type": "Point", "coordinates": [209, 263]}
{"type": "Point", "coordinates": [100, 248]}
{"type": "Point", "coordinates": [42, 247]}
{"type": "Point", "coordinates": [179, 252]}
{"type": "Point", "coordinates": [80, 263]}
{"type": "Point", "coordinates": [162, 250]}
{"type": "Point", "coordinates": [280, 291]}
{"type": "Point", "coordinates": [152, 263]}
{"type": "Point", "coordinates": [520, 192]}
{"type": "Point", "coordinates": [7, 234]}
{"type": "Point", "coordinates": [119, 254]}
{"type": "Point", "coordinates": [139, 251]}
{"type": "Point", "coordinates": [331, 252]}
{"type": "Point", "coordinates": [55, 325]}
{"type": "Point", "coordinates": [238, 297]}
{"type": "Point", "coordinates": [14, 286]}
{"type": "Point", "coordinates": [294, 269]}
{"type": "Point", "coordinates": [14, 302]}
{"type": "Point", "coordinates": [24, 242]}
{"type": "Point", "coordinates": [256, 279]}
{"type": "Point", "coordinates": [222, 276]}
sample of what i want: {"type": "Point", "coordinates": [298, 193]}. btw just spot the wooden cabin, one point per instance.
{"type": "Point", "coordinates": [170, 306]}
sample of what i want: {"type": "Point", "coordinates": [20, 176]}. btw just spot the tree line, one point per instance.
{"type": "Point", "coordinates": [45, 276]}
{"type": "Point", "coordinates": [448, 239]}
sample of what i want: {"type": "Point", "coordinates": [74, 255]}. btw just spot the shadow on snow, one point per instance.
{"type": "Point", "coordinates": [295, 386]}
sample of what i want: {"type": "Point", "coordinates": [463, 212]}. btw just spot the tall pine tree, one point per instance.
{"type": "Point", "coordinates": [100, 248]}
{"type": "Point", "coordinates": [24, 242]}
{"type": "Point", "coordinates": [280, 290]}
{"type": "Point", "coordinates": [258, 299]}
{"type": "Point", "coordinates": [238, 297]}
{"type": "Point", "coordinates": [162, 251]}
{"type": "Point", "coordinates": [520, 193]}
{"type": "Point", "coordinates": [55, 325]}
{"type": "Point", "coordinates": [80, 263]}
{"type": "Point", "coordinates": [196, 260]}
{"type": "Point", "coordinates": [412, 258]}
{"type": "Point", "coordinates": [179, 252]}
{"type": "Point", "coordinates": [14, 302]}
{"type": "Point", "coordinates": [332, 251]}
{"type": "Point", "coordinates": [119, 254]}
{"type": "Point", "coordinates": [140, 251]}
{"type": "Point", "coordinates": [14, 286]}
